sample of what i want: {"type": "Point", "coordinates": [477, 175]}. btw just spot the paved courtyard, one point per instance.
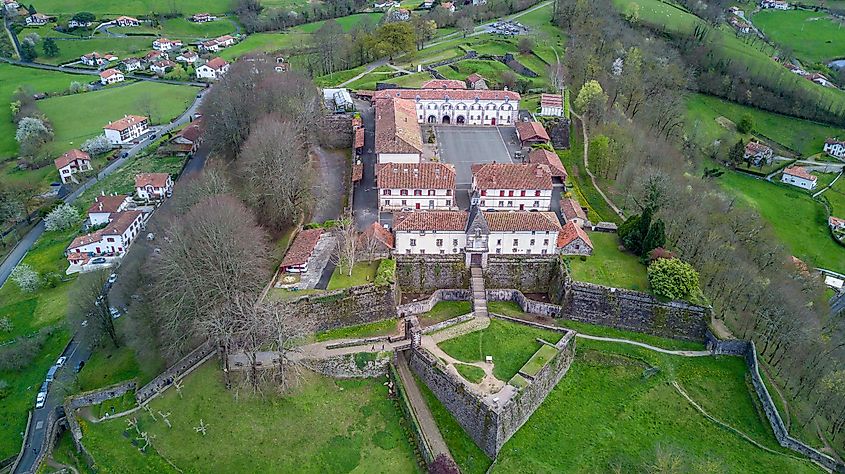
{"type": "Point", "coordinates": [464, 146]}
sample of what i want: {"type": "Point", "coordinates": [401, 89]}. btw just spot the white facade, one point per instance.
{"type": "Point", "coordinates": [835, 149]}
{"type": "Point", "coordinates": [523, 242]}
{"type": "Point", "coordinates": [111, 78]}
{"type": "Point", "coordinates": [37, 19]}
{"type": "Point", "coordinates": [491, 112]}
{"type": "Point", "coordinates": [398, 157]}
{"type": "Point", "coordinates": [430, 242]}
{"type": "Point", "coordinates": [151, 192]}
{"type": "Point", "coordinates": [515, 199]}
{"type": "Point", "coordinates": [92, 59]}
{"type": "Point", "coordinates": [798, 181]}
{"type": "Point", "coordinates": [132, 64]}
{"type": "Point", "coordinates": [77, 166]}
{"type": "Point", "coordinates": [551, 110]}
{"type": "Point", "coordinates": [207, 72]}
{"type": "Point", "coordinates": [123, 131]}
{"type": "Point", "coordinates": [428, 199]}
{"type": "Point", "coordinates": [113, 240]}
{"type": "Point", "coordinates": [164, 44]}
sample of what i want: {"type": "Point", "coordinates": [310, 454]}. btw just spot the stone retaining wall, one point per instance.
{"type": "Point", "coordinates": [447, 323]}
{"type": "Point", "coordinates": [349, 306]}
{"type": "Point", "coordinates": [175, 372]}
{"type": "Point", "coordinates": [350, 365]}
{"type": "Point", "coordinates": [425, 274]}
{"type": "Point", "coordinates": [527, 304]}
{"type": "Point", "coordinates": [425, 305]}
{"type": "Point", "coordinates": [531, 274]}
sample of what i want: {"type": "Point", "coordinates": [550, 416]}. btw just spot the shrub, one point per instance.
{"type": "Point", "coordinates": [97, 145]}
{"type": "Point", "coordinates": [17, 356]}
{"type": "Point", "coordinates": [745, 124]}
{"type": "Point", "coordinates": [673, 278]}
{"type": "Point", "coordinates": [386, 272]}
{"type": "Point", "coordinates": [6, 325]}
{"type": "Point", "coordinates": [64, 216]}
{"type": "Point", "coordinates": [26, 278]}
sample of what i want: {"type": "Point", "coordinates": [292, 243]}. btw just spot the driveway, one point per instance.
{"type": "Point", "coordinates": [365, 194]}
{"type": "Point", "coordinates": [330, 181]}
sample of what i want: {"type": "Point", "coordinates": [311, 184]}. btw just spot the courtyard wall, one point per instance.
{"type": "Point", "coordinates": [427, 273]}
{"type": "Point", "coordinates": [529, 273]}
{"type": "Point", "coordinates": [349, 306]}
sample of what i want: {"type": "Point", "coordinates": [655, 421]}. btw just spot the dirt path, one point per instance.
{"type": "Point", "coordinates": [590, 173]}
{"type": "Point", "coordinates": [646, 346]}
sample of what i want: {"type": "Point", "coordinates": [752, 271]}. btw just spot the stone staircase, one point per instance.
{"type": "Point", "coordinates": [479, 295]}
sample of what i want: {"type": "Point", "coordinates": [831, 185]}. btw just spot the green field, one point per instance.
{"type": "Point", "coordinates": [144, 7]}
{"type": "Point", "coordinates": [836, 197]}
{"type": "Point", "coordinates": [610, 266]}
{"type": "Point", "coordinates": [163, 102]}
{"type": "Point", "coordinates": [181, 28]}
{"type": "Point", "coordinates": [445, 310]}
{"type": "Point", "coordinates": [815, 37]}
{"type": "Point", "coordinates": [326, 425]}
{"type": "Point", "coordinates": [72, 50]}
{"type": "Point", "coordinates": [803, 228]}
{"type": "Point", "coordinates": [802, 136]}
{"type": "Point", "coordinates": [378, 328]}
{"type": "Point", "coordinates": [362, 274]}
{"type": "Point", "coordinates": [609, 415]}
{"type": "Point", "coordinates": [579, 185]}
{"type": "Point", "coordinates": [510, 344]}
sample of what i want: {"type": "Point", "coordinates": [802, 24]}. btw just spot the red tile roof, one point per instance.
{"type": "Point", "coordinates": [359, 138]}
{"type": "Point", "coordinates": [415, 176]}
{"type": "Point", "coordinates": [397, 129]}
{"type": "Point", "coordinates": [378, 233]}
{"type": "Point", "coordinates": [126, 122]}
{"type": "Point", "coordinates": [512, 176]}
{"type": "Point", "coordinates": [301, 248]}
{"type": "Point", "coordinates": [117, 226]}
{"type": "Point", "coordinates": [549, 158]}
{"type": "Point", "coordinates": [834, 141]}
{"type": "Point", "coordinates": [571, 209]}
{"type": "Point", "coordinates": [71, 155]}
{"type": "Point", "coordinates": [755, 147]}
{"type": "Point", "coordinates": [509, 221]}
{"type": "Point", "coordinates": [835, 222]}
{"type": "Point", "coordinates": [107, 204]}
{"type": "Point", "coordinates": [109, 73]}
{"type": "Point", "coordinates": [551, 100]}
{"type": "Point", "coordinates": [446, 221]}
{"type": "Point", "coordinates": [217, 63]}
{"type": "Point", "coordinates": [357, 172]}
{"type": "Point", "coordinates": [799, 172]}
{"type": "Point", "coordinates": [473, 78]}
{"type": "Point", "coordinates": [531, 131]}
{"type": "Point", "coordinates": [569, 232]}
{"type": "Point", "coordinates": [156, 180]}
{"type": "Point", "coordinates": [444, 84]}
{"type": "Point", "coordinates": [453, 94]}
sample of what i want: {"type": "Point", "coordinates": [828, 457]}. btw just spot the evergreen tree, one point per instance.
{"type": "Point", "coordinates": [656, 237]}
{"type": "Point", "coordinates": [28, 52]}
{"type": "Point", "coordinates": [737, 154]}
{"type": "Point", "coordinates": [51, 49]}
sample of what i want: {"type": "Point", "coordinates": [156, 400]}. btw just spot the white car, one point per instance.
{"type": "Point", "coordinates": [114, 312]}
{"type": "Point", "coordinates": [112, 278]}
{"type": "Point", "coordinates": [61, 361]}
{"type": "Point", "coordinates": [40, 399]}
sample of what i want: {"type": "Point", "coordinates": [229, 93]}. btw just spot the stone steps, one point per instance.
{"type": "Point", "coordinates": [479, 295]}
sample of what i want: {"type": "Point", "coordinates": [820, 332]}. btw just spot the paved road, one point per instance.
{"type": "Point", "coordinates": [365, 194]}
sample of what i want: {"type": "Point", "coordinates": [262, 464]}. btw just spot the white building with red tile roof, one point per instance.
{"type": "Point", "coordinates": [72, 162]}
{"type": "Point", "coordinates": [153, 186]}
{"type": "Point", "coordinates": [127, 129]}
{"type": "Point", "coordinates": [132, 64]}
{"type": "Point", "coordinates": [459, 106]}
{"type": "Point", "coordinates": [111, 241]}
{"type": "Point", "coordinates": [799, 176]}
{"type": "Point", "coordinates": [398, 138]}
{"type": "Point", "coordinates": [836, 223]}
{"type": "Point", "coordinates": [376, 241]}
{"type": "Point", "coordinates": [757, 153]}
{"type": "Point", "coordinates": [512, 186]}
{"type": "Point", "coordinates": [551, 105]}
{"type": "Point", "coordinates": [573, 240]}
{"type": "Point", "coordinates": [476, 82]}
{"type": "Point", "coordinates": [164, 44]}
{"type": "Point", "coordinates": [187, 57]}
{"type": "Point", "coordinates": [428, 186]}
{"type": "Point", "coordinates": [834, 148]}
{"type": "Point", "coordinates": [300, 251]}
{"type": "Point", "coordinates": [37, 19]}
{"type": "Point", "coordinates": [162, 67]}
{"type": "Point", "coordinates": [202, 17]}
{"type": "Point", "coordinates": [430, 232]}
{"type": "Point", "coordinates": [111, 76]}
{"type": "Point", "coordinates": [126, 21]}
{"type": "Point", "coordinates": [531, 133]}
{"type": "Point", "coordinates": [541, 156]}
{"type": "Point", "coordinates": [105, 206]}
{"type": "Point", "coordinates": [92, 59]}
{"type": "Point", "coordinates": [571, 211]}
{"type": "Point", "coordinates": [213, 69]}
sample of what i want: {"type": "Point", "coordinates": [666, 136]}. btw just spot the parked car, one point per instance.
{"type": "Point", "coordinates": [124, 154]}
{"type": "Point", "coordinates": [51, 374]}
{"type": "Point", "coordinates": [79, 366]}
{"type": "Point", "coordinates": [115, 313]}
{"type": "Point", "coordinates": [153, 136]}
{"type": "Point", "coordinates": [40, 399]}
{"type": "Point", "coordinates": [112, 278]}
{"type": "Point", "coordinates": [85, 323]}
{"type": "Point", "coordinates": [61, 361]}
{"type": "Point", "coordinates": [98, 260]}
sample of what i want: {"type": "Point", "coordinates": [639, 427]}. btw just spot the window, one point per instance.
{"type": "Point", "coordinates": [528, 251]}
{"type": "Point", "coordinates": [413, 242]}
{"type": "Point", "coordinates": [442, 251]}
{"type": "Point", "coordinates": [422, 251]}
{"type": "Point", "coordinates": [532, 242]}
{"type": "Point", "coordinates": [501, 203]}
{"type": "Point", "coordinates": [513, 250]}
{"type": "Point", "coordinates": [448, 192]}
{"type": "Point", "coordinates": [404, 202]}
{"type": "Point", "coordinates": [448, 203]}
{"type": "Point", "coordinates": [522, 193]}
{"type": "Point", "coordinates": [454, 242]}
{"type": "Point", "coordinates": [403, 192]}
{"type": "Point", "coordinates": [536, 203]}
{"type": "Point", "coordinates": [510, 203]}
{"type": "Point", "coordinates": [483, 203]}
{"type": "Point", "coordinates": [387, 202]}
{"type": "Point", "coordinates": [386, 192]}
{"type": "Point", "coordinates": [498, 250]}
{"type": "Point", "coordinates": [422, 232]}
{"type": "Point", "coordinates": [544, 251]}
{"type": "Point", "coordinates": [546, 242]}
{"type": "Point", "coordinates": [499, 242]}
{"type": "Point", "coordinates": [483, 192]}
{"type": "Point", "coordinates": [510, 193]}
{"type": "Point", "coordinates": [418, 192]}
{"type": "Point", "coordinates": [533, 232]}
{"type": "Point", "coordinates": [110, 239]}
{"type": "Point", "coordinates": [439, 242]}
{"type": "Point", "coordinates": [407, 251]}
{"type": "Point", "coordinates": [431, 192]}
{"type": "Point", "coordinates": [537, 192]}
{"type": "Point", "coordinates": [455, 250]}
{"type": "Point", "coordinates": [501, 193]}
{"type": "Point", "coordinates": [515, 242]}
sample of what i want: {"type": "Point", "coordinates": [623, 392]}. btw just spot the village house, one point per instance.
{"type": "Point", "coordinates": [531, 133]}
{"type": "Point", "coordinates": [398, 136]}
{"type": "Point", "coordinates": [448, 6]}
{"type": "Point", "coordinates": [225, 41]}
{"type": "Point", "coordinates": [213, 70]}
{"type": "Point", "coordinates": [78, 24]}
{"type": "Point", "coordinates": [416, 186]}
{"type": "Point", "coordinates": [11, 5]}
{"type": "Point", "coordinates": [93, 59]}
{"type": "Point", "coordinates": [100, 213]}
{"type": "Point", "coordinates": [155, 56]}
{"type": "Point", "coordinates": [427, 4]}
{"type": "Point", "coordinates": [542, 156]}
{"type": "Point", "coordinates": [37, 19]}
{"type": "Point", "coordinates": [72, 162]}
{"type": "Point", "coordinates": [110, 76]}
{"type": "Point", "coordinates": [795, 69]}
{"type": "Point", "coordinates": [132, 64]}
{"type": "Point", "coordinates": [429, 232]}
{"type": "Point", "coordinates": [164, 44]}
{"type": "Point", "coordinates": [820, 79]}
{"type": "Point", "coordinates": [376, 241]}
{"type": "Point", "coordinates": [444, 84]}
{"type": "Point", "coordinates": [110, 57]}
{"type": "Point", "coordinates": [126, 21]}
{"type": "Point", "coordinates": [836, 223]}
{"type": "Point", "coordinates": [127, 129]}
{"type": "Point", "coordinates": [740, 26]}
{"type": "Point", "coordinates": [187, 140]}
{"type": "Point", "coordinates": [571, 211]}
{"type": "Point", "coordinates": [572, 240]}
{"type": "Point", "coordinates": [202, 17]}
{"type": "Point", "coordinates": [798, 176]}
{"type": "Point", "coordinates": [834, 148]}
{"type": "Point", "coordinates": [299, 254]}
{"type": "Point", "coordinates": [757, 154]}
{"type": "Point", "coordinates": [551, 105]}
{"type": "Point", "coordinates": [512, 186]}
{"type": "Point", "coordinates": [153, 186]}
{"type": "Point", "coordinates": [113, 240]}
{"type": "Point", "coordinates": [476, 82]}
{"type": "Point", "coordinates": [187, 57]}
{"type": "Point", "coordinates": [383, 5]}
{"type": "Point", "coordinates": [400, 14]}
{"type": "Point", "coordinates": [209, 46]}
{"type": "Point", "coordinates": [470, 107]}
{"type": "Point", "coordinates": [776, 4]}
{"type": "Point", "coordinates": [162, 67]}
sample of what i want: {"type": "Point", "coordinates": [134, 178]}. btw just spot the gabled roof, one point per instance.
{"type": "Point", "coordinates": [474, 77]}
{"type": "Point", "coordinates": [755, 147]}
{"type": "Point", "coordinates": [834, 141]}
{"type": "Point", "coordinates": [192, 132]}
{"type": "Point", "coordinates": [397, 129]}
{"type": "Point", "coordinates": [569, 233]}
{"type": "Point", "coordinates": [516, 221]}
{"type": "Point", "coordinates": [119, 224]}
{"type": "Point", "coordinates": [551, 100]}
{"type": "Point", "coordinates": [217, 63]}
{"type": "Point", "coordinates": [378, 233]}
{"type": "Point", "coordinates": [415, 176]}
{"type": "Point", "coordinates": [126, 18]}
{"type": "Point", "coordinates": [531, 131]}
{"type": "Point", "coordinates": [109, 73]}
{"type": "Point", "coordinates": [571, 210]}
{"type": "Point", "coordinates": [107, 204]}
{"type": "Point", "coordinates": [301, 248]}
{"type": "Point", "coordinates": [799, 172]}
{"type": "Point", "coordinates": [446, 221]}
{"type": "Point", "coordinates": [512, 176]}
{"type": "Point", "coordinates": [156, 180]}
{"type": "Point", "coordinates": [835, 221]}
{"type": "Point", "coordinates": [444, 84]}
{"type": "Point", "coordinates": [71, 155]}
{"type": "Point", "coordinates": [126, 122]}
{"type": "Point", "coordinates": [545, 157]}
{"type": "Point", "coordinates": [164, 64]}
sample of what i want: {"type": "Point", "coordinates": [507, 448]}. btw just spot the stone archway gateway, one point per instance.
{"type": "Point", "coordinates": [446, 119]}
{"type": "Point", "coordinates": [460, 120]}
{"type": "Point", "coordinates": [431, 119]}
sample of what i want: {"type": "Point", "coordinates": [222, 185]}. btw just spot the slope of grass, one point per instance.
{"type": "Point", "coordinates": [445, 310]}
{"type": "Point", "coordinates": [144, 7]}
{"type": "Point", "coordinates": [815, 37]}
{"type": "Point", "coordinates": [72, 50]}
{"type": "Point", "coordinates": [362, 274]}
{"type": "Point", "coordinates": [610, 266]}
{"type": "Point", "coordinates": [470, 372]}
{"type": "Point", "coordinates": [378, 328]}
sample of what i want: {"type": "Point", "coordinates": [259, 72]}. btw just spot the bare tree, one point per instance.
{"type": "Point", "coordinates": [90, 301]}
{"type": "Point", "coordinates": [557, 76]}
{"type": "Point", "coordinates": [348, 244]}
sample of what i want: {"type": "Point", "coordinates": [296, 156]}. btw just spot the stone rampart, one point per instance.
{"type": "Point", "coordinates": [425, 305]}
{"type": "Point", "coordinates": [529, 273]}
{"type": "Point", "coordinates": [426, 273]}
{"type": "Point", "coordinates": [527, 304]}
{"type": "Point", "coordinates": [360, 365]}
{"type": "Point", "coordinates": [175, 372]}
{"type": "Point", "coordinates": [448, 323]}
{"type": "Point", "coordinates": [349, 306]}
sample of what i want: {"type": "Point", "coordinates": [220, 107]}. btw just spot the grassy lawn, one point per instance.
{"type": "Point", "coordinates": [656, 341]}
{"type": "Point", "coordinates": [802, 136]}
{"type": "Point", "coordinates": [803, 229]}
{"type": "Point", "coordinates": [836, 197]}
{"type": "Point", "coordinates": [122, 181]}
{"type": "Point", "coordinates": [470, 372]}
{"type": "Point", "coordinates": [608, 415]}
{"type": "Point", "coordinates": [470, 458]}
{"type": "Point", "coordinates": [72, 50]}
{"type": "Point", "coordinates": [815, 37]}
{"type": "Point", "coordinates": [109, 365]}
{"type": "Point", "coordinates": [163, 102]}
{"type": "Point", "coordinates": [378, 328]}
{"type": "Point", "coordinates": [346, 22]}
{"type": "Point", "coordinates": [505, 308]}
{"type": "Point", "coordinates": [326, 425]}
{"type": "Point", "coordinates": [445, 310]}
{"type": "Point", "coordinates": [362, 274]}
{"type": "Point", "coordinates": [610, 266]}
{"type": "Point", "coordinates": [338, 77]}
{"type": "Point", "coordinates": [581, 187]}
{"type": "Point", "coordinates": [510, 344]}
{"type": "Point", "coordinates": [136, 7]}
{"type": "Point", "coordinates": [540, 358]}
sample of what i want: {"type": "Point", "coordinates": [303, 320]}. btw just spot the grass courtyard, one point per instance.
{"type": "Point", "coordinates": [815, 37]}
{"type": "Point", "coordinates": [445, 310]}
{"type": "Point", "coordinates": [610, 266]}
{"type": "Point", "coordinates": [362, 273]}
{"type": "Point", "coordinates": [326, 425]}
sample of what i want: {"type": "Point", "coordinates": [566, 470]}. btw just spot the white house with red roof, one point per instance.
{"type": "Point", "coordinates": [126, 21]}
{"type": "Point", "coordinates": [37, 19]}
{"type": "Point", "coordinates": [164, 44]}
{"type": "Point", "coordinates": [512, 186]}
{"type": "Point", "coordinates": [111, 76]}
{"type": "Point", "coordinates": [429, 232]}
{"type": "Point", "coordinates": [408, 186]}
{"type": "Point", "coordinates": [92, 59]}
{"type": "Point", "coordinates": [300, 251]}
{"type": "Point", "coordinates": [105, 206]}
{"type": "Point", "coordinates": [571, 211]}
{"type": "Point", "coordinates": [162, 67]}
{"type": "Point", "coordinates": [799, 176]}
{"type": "Point", "coordinates": [187, 57]}
{"type": "Point", "coordinates": [836, 223]}
{"type": "Point", "coordinates": [444, 84]}
{"type": "Point", "coordinates": [127, 129]}
{"type": "Point", "coordinates": [476, 82]}
{"type": "Point", "coordinates": [153, 186]}
{"type": "Point", "coordinates": [834, 148]}
{"type": "Point", "coordinates": [551, 105]}
{"type": "Point", "coordinates": [11, 5]}
{"type": "Point", "coordinates": [202, 17]}
{"type": "Point", "coordinates": [573, 240]}
{"type": "Point", "coordinates": [188, 139]}
{"type": "Point", "coordinates": [213, 70]}
{"type": "Point", "coordinates": [541, 156]}
{"type": "Point", "coordinates": [376, 241]}
{"type": "Point", "coordinates": [112, 241]}
{"type": "Point", "coordinates": [459, 106]}
{"type": "Point", "coordinates": [531, 133]}
{"type": "Point", "coordinates": [72, 162]}
{"type": "Point", "coordinates": [132, 64]}
{"type": "Point", "coordinates": [757, 154]}
{"type": "Point", "coordinates": [398, 138]}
